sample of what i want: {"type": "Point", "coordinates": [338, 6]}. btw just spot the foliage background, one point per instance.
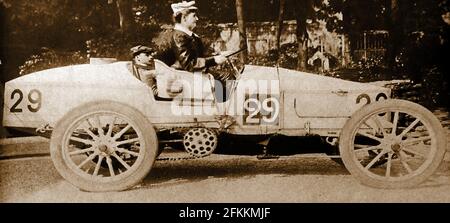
{"type": "Point", "coordinates": [42, 34]}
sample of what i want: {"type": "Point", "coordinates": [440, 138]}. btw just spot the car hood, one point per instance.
{"type": "Point", "coordinates": [291, 80]}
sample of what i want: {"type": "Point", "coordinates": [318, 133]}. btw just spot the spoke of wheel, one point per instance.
{"type": "Point", "coordinates": [121, 161]}
{"type": "Point", "coordinates": [413, 141]}
{"type": "Point", "coordinates": [395, 123]}
{"type": "Point", "coordinates": [122, 150]}
{"type": "Point", "coordinates": [127, 141]}
{"type": "Point", "coordinates": [110, 127]}
{"type": "Point", "coordinates": [367, 149]}
{"type": "Point", "coordinates": [361, 146]}
{"type": "Point", "coordinates": [89, 123]}
{"type": "Point", "coordinates": [85, 141]}
{"type": "Point", "coordinates": [369, 136]}
{"type": "Point", "coordinates": [409, 128]}
{"type": "Point", "coordinates": [414, 152]}
{"type": "Point", "coordinates": [90, 133]}
{"type": "Point", "coordinates": [99, 125]}
{"type": "Point", "coordinates": [110, 166]}
{"type": "Point", "coordinates": [89, 158]}
{"type": "Point", "coordinates": [374, 160]}
{"type": "Point", "coordinates": [97, 167]}
{"type": "Point", "coordinates": [119, 134]}
{"type": "Point", "coordinates": [389, 165]}
{"type": "Point", "coordinates": [404, 163]}
{"type": "Point", "coordinates": [81, 151]}
{"type": "Point", "coordinates": [378, 124]}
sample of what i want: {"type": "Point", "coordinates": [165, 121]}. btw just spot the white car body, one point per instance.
{"type": "Point", "coordinates": [106, 127]}
{"type": "Point", "coordinates": [308, 103]}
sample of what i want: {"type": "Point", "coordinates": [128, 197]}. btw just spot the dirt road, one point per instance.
{"type": "Point", "coordinates": [219, 178]}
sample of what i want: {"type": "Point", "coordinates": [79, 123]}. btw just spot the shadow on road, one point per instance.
{"type": "Point", "coordinates": [181, 172]}
{"type": "Point", "coordinates": [235, 167]}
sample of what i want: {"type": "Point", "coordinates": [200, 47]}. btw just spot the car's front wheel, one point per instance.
{"type": "Point", "coordinates": [392, 144]}
{"type": "Point", "coordinates": [103, 146]}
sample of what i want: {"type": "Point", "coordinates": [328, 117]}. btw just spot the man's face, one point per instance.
{"type": "Point", "coordinates": [144, 58]}
{"type": "Point", "coordinates": [190, 20]}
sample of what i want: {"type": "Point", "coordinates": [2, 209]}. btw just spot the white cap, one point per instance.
{"type": "Point", "coordinates": [182, 6]}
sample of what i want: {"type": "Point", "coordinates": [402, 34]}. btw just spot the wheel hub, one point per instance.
{"type": "Point", "coordinates": [103, 148]}
{"type": "Point", "coordinates": [396, 147]}
{"type": "Point", "coordinates": [200, 142]}
{"type": "Point", "coordinates": [391, 144]}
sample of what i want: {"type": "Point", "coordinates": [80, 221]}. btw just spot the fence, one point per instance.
{"type": "Point", "coordinates": [370, 44]}
{"type": "Point", "coordinates": [261, 37]}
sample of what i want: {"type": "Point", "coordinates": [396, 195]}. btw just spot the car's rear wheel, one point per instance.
{"type": "Point", "coordinates": [392, 144]}
{"type": "Point", "coordinates": [103, 146]}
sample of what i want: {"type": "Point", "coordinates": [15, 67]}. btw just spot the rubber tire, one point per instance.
{"type": "Point", "coordinates": [368, 110]}
{"type": "Point", "coordinates": [141, 123]}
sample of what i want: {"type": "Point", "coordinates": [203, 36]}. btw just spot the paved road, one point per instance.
{"type": "Point", "coordinates": [219, 178]}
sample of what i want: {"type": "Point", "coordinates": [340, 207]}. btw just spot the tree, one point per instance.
{"type": "Point", "coordinates": [303, 10]}
{"type": "Point", "coordinates": [395, 26]}
{"type": "Point", "coordinates": [241, 28]}
{"type": "Point", "coordinates": [402, 18]}
{"type": "Point", "coordinates": [418, 44]}
{"type": "Point", "coordinates": [126, 17]}
{"type": "Point", "coordinates": [280, 26]}
{"type": "Point", "coordinates": [32, 27]}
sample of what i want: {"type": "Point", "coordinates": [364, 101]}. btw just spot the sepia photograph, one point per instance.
{"type": "Point", "coordinates": [224, 101]}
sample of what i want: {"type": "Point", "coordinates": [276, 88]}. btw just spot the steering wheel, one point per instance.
{"type": "Point", "coordinates": [236, 71]}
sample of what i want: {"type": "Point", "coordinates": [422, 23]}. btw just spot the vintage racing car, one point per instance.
{"type": "Point", "coordinates": [105, 124]}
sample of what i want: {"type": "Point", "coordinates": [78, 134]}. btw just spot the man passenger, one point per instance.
{"type": "Point", "coordinates": [143, 66]}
